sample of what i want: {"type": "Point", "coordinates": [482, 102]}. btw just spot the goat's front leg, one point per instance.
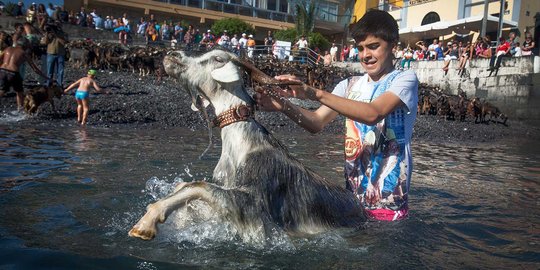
{"type": "Point", "coordinates": [146, 228]}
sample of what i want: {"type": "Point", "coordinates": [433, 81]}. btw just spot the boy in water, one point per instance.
{"type": "Point", "coordinates": [380, 110]}
{"type": "Point", "coordinates": [82, 94]}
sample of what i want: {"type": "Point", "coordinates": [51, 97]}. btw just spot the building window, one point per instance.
{"type": "Point", "coordinates": [431, 18]}
{"type": "Point", "coordinates": [327, 11]}
{"type": "Point", "coordinates": [194, 3]}
{"type": "Point", "coordinates": [271, 5]}
{"type": "Point", "coordinates": [284, 6]}
{"type": "Point", "coordinates": [252, 3]}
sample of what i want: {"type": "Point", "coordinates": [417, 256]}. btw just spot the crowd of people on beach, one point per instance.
{"type": "Point", "coordinates": [41, 34]}
{"type": "Point", "coordinates": [176, 34]}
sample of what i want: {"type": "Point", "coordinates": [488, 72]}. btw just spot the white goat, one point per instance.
{"type": "Point", "coordinates": [256, 184]}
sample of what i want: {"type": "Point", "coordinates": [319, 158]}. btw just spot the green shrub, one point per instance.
{"type": "Point", "coordinates": [10, 8]}
{"type": "Point", "coordinates": [314, 39]}
{"type": "Point", "coordinates": [233, 26]}
{"type": "Point", "coordinates": [317, 40]}
{"type": "Point", "coordinates": [289, 35]}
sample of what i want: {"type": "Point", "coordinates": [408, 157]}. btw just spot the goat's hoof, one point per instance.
{"type": "Point", "coordinates": [144, 234]}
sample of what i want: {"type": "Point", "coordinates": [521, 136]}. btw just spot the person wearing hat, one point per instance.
{"type": "Point", "coordinates": [208, 39]}
{"type": "Point", "coordinates": [82, 94]}
{"type": "Point", "coordinates": [108, 23]}
{"type": "Point", "coordinates": [224, 40]}
{"type": "Point", "coordinates": [451, 53]}
{"type": "Point", "coordinates": [242, 43]}
{"type": "Point", "coordinates": [250, 46]}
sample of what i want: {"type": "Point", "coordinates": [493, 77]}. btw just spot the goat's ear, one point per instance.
{"type": "Point", "coordinates": [226, 74]}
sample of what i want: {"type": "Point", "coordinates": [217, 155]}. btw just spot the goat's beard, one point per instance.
{"type": "Point", "coordinates": [198, 101]}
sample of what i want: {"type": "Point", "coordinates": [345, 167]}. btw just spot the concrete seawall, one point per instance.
{"type": "Point", "coordinates": [515, 89]}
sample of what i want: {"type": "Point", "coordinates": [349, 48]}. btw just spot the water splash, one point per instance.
{"type": "Point", "coordinates": [146, 266]}
{"type": "Point", "coordinates": [13, 116]}
{"type": "Point", "coordinates": [160, 188]}
{"type": "Point", "coordinates": [186, 169]}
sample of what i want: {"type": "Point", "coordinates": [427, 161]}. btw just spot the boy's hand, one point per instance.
{"type": "Point", "coordinates": [266, 102]}
{"type": "Point", "coordinates": [302, 91]}
{"type": "Point", "coordinates": [294, 90]}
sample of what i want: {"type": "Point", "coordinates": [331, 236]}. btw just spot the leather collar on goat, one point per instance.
{"type": "Point", "coordinates": [233, 115]}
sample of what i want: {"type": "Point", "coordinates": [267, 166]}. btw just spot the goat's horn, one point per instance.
{"type": "Point", "coordinates": [260, 76]}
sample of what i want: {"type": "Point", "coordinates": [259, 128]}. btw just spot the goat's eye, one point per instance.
{"type": "Point", "coordinates": [219, 59]}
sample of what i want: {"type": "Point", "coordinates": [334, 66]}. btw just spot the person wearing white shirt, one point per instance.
{"type": "Point", "coordinates": [234, 43]}
{"type": "Point", "coordinates": [517, 50]}
{"type": "Point", "coordinates": [242, 43]}
{"type": "Point", "coordinates": [225, 40]}
{"type": "Point", "coordinates": [333, 52]}
{"type": "Point", "coordinates": [379, 108]}
{"type": "Point", "coordinates": [302, 44]}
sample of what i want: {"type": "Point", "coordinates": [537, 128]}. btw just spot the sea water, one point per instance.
{"type": "Point", "coordinates": [70, 194]}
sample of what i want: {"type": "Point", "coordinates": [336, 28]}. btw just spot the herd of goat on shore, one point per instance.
{"type": "Point", "coordinates": [148, 60]}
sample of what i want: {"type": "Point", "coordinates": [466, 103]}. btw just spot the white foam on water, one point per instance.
{"type": "Point", "coordinates": [146, 266]}
{"type": "Point", "coordinates": [13, 116]}
{"type": "Point", "coordinates": [198, 224]}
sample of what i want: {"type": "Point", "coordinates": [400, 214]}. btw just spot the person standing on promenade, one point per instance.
{"type": "Point", "coordinates": [333, 52]}
{"type": "Point", "coordinates": [268, 42]}
{"type": "Point", "coordinates": [380, 110]}
{"type": "Point", "coordinates": [250, 46]}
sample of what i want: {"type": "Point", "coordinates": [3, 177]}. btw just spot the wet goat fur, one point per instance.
{"type": "Point", "coordinates": [39, 95]}
{"type": "Point", "coordinates": [291, 195]}
{"type": "Point", "coordinates": [257, 185]}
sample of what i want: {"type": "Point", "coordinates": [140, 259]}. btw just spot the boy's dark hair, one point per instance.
{"type": "Point", "coordinates": [377, 23]}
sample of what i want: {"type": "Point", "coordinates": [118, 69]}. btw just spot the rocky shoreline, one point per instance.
{"type": "Point", "coordinates": [141, 102]}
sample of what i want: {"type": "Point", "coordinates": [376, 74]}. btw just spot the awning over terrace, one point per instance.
{"type": "Point", "coordinates": [463, 26]}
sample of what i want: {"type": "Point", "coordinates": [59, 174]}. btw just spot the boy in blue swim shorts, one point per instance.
{"type": "Point", "coordinates": [82, 94]}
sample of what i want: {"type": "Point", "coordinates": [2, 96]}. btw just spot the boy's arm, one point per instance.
{"type": "Point", "coordinates": [72, 85]}
{"type": "Point", "coordinates": [367, 113]}
{"type": "Point", "coordinates": [312, 121]}
{"type": "Point", "coordinates": [96, 86]}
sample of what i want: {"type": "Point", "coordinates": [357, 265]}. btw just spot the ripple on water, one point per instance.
{"type": "Point", "coordinates": [469, 206]}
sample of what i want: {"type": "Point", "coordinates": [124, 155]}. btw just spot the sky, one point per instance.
{"type": "Point", "coordinates": [28, 2]}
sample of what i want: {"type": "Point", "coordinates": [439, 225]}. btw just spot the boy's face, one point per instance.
{"type": "Point", "coordinates": [375, 56]}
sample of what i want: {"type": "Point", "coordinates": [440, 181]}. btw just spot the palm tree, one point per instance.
{"type": "Point", "coordinates": [305, 16]}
